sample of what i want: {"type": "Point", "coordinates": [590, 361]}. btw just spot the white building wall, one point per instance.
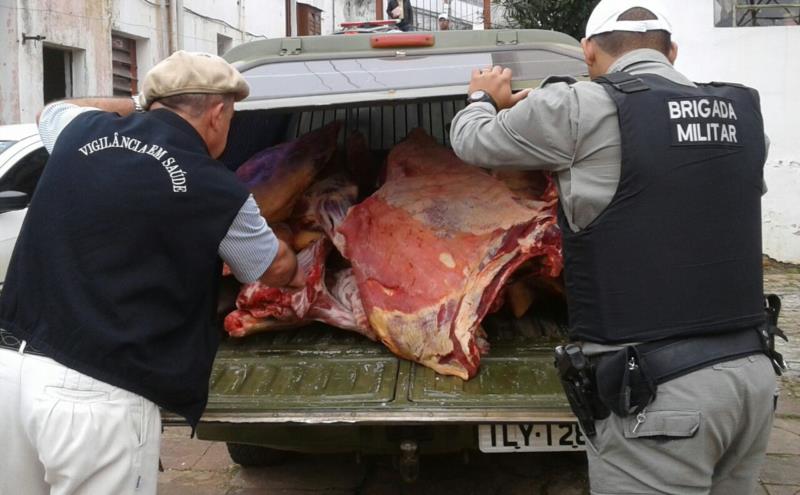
{"type": "Point", "coordinates": [767, 59]}
{"type": "Point", "coordinates": [267, 17]}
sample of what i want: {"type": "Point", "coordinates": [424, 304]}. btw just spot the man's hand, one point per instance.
{"type": "Point", "coordinates": [284, 270]}
{"type": "Point", "coordinates": [497, 82]}
{"type": "Point", "coordinates": [397, 11]}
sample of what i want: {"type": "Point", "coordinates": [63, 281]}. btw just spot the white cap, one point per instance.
{"type": "Point", "coordinates": [443, 15]}
{"type": "Point", "coordinates": [604, 17]}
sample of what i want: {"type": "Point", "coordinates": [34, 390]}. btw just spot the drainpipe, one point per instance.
{"type": "Point", "coordinates": [175, 25]}
{"type": "Point", "coordinates": [288, 8]}
{"type": "Point", "coordinates": [242, 26]}
{"type": "Point", "coordinates": [179, 17]}
{"type": "Point", "coordinates": [165, 31]}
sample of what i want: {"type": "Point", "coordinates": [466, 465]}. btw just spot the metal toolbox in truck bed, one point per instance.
{"type": "Point", "coordinates": [322, 389]}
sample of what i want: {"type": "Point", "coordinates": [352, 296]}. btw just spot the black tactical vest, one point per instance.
{"type": "Point", "coordinates": [115, 271]}
{"type": "Point", "coordinates": [677, 252]}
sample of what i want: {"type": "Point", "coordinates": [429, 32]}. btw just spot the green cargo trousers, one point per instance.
{"type": "Point", "coordinates": [705, 433]}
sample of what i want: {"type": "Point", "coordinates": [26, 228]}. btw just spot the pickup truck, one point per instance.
{"type": "Point", "coordinates": [322, 389]}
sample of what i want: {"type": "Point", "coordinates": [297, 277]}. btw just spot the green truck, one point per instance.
{"type": "Point", "coordinates": [322, 389]}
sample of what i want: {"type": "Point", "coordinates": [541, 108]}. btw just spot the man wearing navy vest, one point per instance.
{"type": "Point", "coordinates": [109, 304]}
{"type": "Point", "coordinates": [660, 183]}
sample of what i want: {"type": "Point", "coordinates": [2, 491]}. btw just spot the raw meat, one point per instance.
{"type": "Point", "coordinates": [279, 175]}
{"type": "Point", "coordinates": [263, 308]}
{"type": "Point", "coordinates": [432, 248]}
{"type": "Point", "coordinates": [329, 296]}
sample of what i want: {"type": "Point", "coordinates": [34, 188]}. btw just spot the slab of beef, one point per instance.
{"type": "Point", "coordinates": [432, 248]}
{"type": "Point", "coordinates": [278, 176]}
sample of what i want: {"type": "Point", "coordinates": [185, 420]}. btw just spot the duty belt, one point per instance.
{"type": "Point", "coordinates": [627, 380]}
{"type": "Point", "coordinates": [9, 341]}
{"type": "Point", "coordinates": [666, 361]}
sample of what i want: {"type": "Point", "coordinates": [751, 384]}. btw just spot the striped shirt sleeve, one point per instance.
{"type": "Point", "coordinates": [250, 246]}
{"type": "Point", "coordinates": [55, 117]}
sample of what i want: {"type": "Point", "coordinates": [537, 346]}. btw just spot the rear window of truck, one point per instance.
{"type": "Point", "coordinates": [358, 75]}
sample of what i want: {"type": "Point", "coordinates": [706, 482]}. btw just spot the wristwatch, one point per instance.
{"type": "Point", "coordinates": [481, 95]}
{"type": "Point", "coordinates": [137, 104]}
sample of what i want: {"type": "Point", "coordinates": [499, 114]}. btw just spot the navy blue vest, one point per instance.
{"type": "Point", "coordinates": [115, 271]}
{"type": "Point", "coordinates": [677, 252]}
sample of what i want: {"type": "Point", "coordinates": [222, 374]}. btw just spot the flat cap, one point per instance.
{"type": "Point", "coordinates": [192, 72]}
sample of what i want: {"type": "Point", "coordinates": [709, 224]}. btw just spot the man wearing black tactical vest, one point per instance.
{"type": "Point", "coordinates": [109, 304]}
{"type": "Point", "coordinates": [660, 183]}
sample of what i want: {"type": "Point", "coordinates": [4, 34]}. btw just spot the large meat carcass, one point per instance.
{"type": "Point", "coordinates": [430, 250]}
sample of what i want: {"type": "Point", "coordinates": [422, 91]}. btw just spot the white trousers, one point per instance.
{"type": "Point", "coordinates": [64, 433]}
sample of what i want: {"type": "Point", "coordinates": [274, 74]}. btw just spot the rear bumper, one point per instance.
{"type": "Point", "coordinates": [388, 417]}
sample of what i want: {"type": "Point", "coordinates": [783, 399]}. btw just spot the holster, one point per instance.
{"type": "Point", "coordinates": [577, 378]}
{"type": "Point", "coordinates": [772, 308]}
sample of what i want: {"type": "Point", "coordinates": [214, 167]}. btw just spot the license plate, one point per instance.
{"type": "Point", "coordinates": [530, 437]}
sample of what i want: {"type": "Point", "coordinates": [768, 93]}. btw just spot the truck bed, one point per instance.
{"type": "Point", "coordinates": [319, 374]}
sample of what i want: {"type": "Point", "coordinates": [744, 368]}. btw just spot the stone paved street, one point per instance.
{"type": "Point", "coordinates": [196, 467]}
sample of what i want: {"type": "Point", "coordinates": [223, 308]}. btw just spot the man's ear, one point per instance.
{"type": "Point", "coordinates": [589, 52]}
{"type": "Point", "coordinates": [673, 52]}
{"type": "Point", "coordinates": [217, 115]}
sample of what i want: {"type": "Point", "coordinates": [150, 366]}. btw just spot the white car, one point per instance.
{"type": "Point", "coordinates": [22, 160]}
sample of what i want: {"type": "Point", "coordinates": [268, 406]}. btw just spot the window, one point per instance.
{"type": "Point", "coordinates": [25, 175]}
{"type": "Point", "coordinates": [356, 75]}
{"type": "Point", "coordinates": [749, 13]}
{"type": "Point", "coordinates": [123, 59]}
{"type": "Point", "coordinates": [56, 74]}
{"type": "Point", "coordinates": [224, 43]}
{"type": "Point", "coordinates": [309, 20]}
{"type": "Point", "coordinates": [4, 145]}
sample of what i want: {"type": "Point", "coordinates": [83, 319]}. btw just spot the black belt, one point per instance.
{"type": "Point", "coordinates": [668, 360]}
{"type": "Point", "coordinates": [627, 380]}
{"type": "Point", "coordinates": [9, 341]}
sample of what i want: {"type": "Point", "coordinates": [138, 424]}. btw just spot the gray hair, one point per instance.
{"type": "Point", "coordinates": [195, 104]}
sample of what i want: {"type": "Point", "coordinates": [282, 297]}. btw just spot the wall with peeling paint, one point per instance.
{"type": "Point", "coordinates": [85, 28]}
{"type": "Point", "coordinates": [765, 58]}
{"type": "Point", "coordinates": [82, 26]}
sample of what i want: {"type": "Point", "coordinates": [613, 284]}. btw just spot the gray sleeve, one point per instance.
{"type": "Point", "coordinates": [54, 118]}
{"type": "Point", "coordinates": [250, 246]}
{"type": "Point", "coordinates": [537, 133]}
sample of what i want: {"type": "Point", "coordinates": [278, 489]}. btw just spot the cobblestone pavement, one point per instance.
{"type": "Point", "coordinates": [197, 467]}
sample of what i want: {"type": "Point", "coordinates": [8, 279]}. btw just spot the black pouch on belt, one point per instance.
{"type": "Point", "coordinates": [623, 383]}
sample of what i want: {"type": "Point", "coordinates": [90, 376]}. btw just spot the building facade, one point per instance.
{"type": "Point", "coordinates": [71, 48]}
{"type": "Point", "coordinates": [728, 40]}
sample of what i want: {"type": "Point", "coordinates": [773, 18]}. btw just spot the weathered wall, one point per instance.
{"type": "Point", "coordinates": [88, 36]}
{"type": "Point", "coordinates": [86, 26]}
{"type": "Point", "coordinates": [9, 63]}
{"type": "Point", "coordinates": [148, 24]}
{"type": "Point", "coordinates": [766, 59]}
